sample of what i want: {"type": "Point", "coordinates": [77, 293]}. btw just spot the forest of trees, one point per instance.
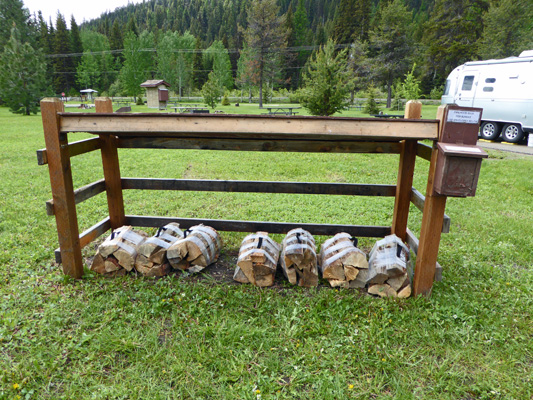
{"type": "Point", "coordinates": [265, 44]}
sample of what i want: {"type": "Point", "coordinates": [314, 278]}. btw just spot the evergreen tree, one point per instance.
{"type": "Point", "coordinates": [391, 44]}
{"type": "Point", "coordinates": [265, 37]}
{"type": "Point", "coordinates": [75, 42]}
{"type": "Point", "coordinates": [504, 36]}
{"type": "Point", "coordinates": [132, 26]}
{"type": "Point", "coordinates": [96, 69]}
{"type": "Point", "coordinates": [211, 91]}
{"type": "Point", "coordinates": [327, 82]}
{"type": "Point", "coordinates": [23, 79]}
{"type": "Point", "coordinates": [64, 72]}
{"type": "Point", "coordinates": [13, 13]}
{"type": "Point", "coordinates": [352, 21]}
{"type": "Point", "coordinates": [451, 35]}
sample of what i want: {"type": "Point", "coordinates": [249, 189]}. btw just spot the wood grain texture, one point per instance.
{"type": "Point", "coordinates": [81, 194]}
{"type": "Point", "coordinates": [307, 146]}
{"type": "Point", "coordinates": [433, 215]}
{"type": "Point", "coordinates": [249, 126]}
{"type": "Point", "coordinates": [110, 163]}
{"type": "Point", "coordinates": [255, 226]}
{"type": "Point", "coordinates": [258, 187]}
{"type": "Point", "coordinates": [62, 188]}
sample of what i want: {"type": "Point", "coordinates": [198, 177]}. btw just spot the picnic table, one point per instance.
{"type": "Point", "coordinates": [191, 109]}
{"type": "Point", "coordinates": [123, 103]}
{"type": "Point", "coordinates": [281, 110]}
{"type": "Point", "coordinates": [387, 115]}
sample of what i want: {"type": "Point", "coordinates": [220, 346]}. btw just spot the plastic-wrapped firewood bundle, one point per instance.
{"type": "Point", "coordinates": [387, 272]}
{"type": "Point", "coordinates": [298, 258]}
{"type": "Point", "coordinates": [258, 259]}
{"type": "Point", "coordinates": [117, 253]}
{"type": "Point", "coordinates": [199, 247]}
{"type": "Point", "coordinates": [342, 263]}
{"type": "Point", "coordinates": [152, 253]}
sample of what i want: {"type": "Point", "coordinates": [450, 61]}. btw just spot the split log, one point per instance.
{"type": "Point", "coordinates": [298, 258]}
{"type": "Point", "coordinates": [341, 262]}
{"type": "Point", "coordinates": [118, 251]}
{"type": "Point", "coordinates": [388, 268]}
{"type": "Point", "coordinates": [258, 259]}
{"type": "Point", "coordinates": [199, 247]}
{"type": "Point", "coordinates": [152, 253]}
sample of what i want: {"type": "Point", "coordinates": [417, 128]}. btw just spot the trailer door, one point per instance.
{"type": "Point", "coordinates": [467, 89]}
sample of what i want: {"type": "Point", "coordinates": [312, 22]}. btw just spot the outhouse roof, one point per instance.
{"type": "Point", "coordinates": [154, 83]}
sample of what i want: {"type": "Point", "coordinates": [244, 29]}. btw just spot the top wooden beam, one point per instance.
{"type": "Point", "coordinates": [248, 126]}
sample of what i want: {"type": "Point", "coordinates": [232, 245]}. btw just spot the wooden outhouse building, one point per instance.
{"type": "Point", "coordinates": [156, 93]}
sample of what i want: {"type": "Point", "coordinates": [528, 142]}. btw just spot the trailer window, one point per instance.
{"type": "Point", "coordinates": [490, 80]}
{"type": "Point", "coordinates": [468, 82]}
{"type": "Point", "coordinates": [488, 89]}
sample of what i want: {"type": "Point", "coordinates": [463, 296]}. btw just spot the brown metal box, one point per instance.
{"type": "Point", "coordinates": [457, 169]}
{"type": "Point", "coordinates": [461, 125]}
{"type": "Point", "coordinates": [163, 95]}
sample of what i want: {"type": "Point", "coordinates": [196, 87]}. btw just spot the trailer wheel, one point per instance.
{"type": "Point", "coordinates": [489, 130]}
{"type": "Point", "coordinates": [512, 133]}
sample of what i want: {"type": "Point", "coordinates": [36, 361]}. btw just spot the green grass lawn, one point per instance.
{"type": "Point", "coordinates": [202, 338]}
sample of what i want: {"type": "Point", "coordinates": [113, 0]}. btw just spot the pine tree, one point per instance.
{"type": "Point", "coordinates": [13, 13]}
{"type": "Point", "coordinates": [265, 37]}
{"type": "Point", "coordinates": [504, 36]}
{"type": "Point", "coordinates": [137, 64]}
{"type": "Point", "coordinates": [75, 42]}
{"type": "Point", "coordinates": [23, 81]}
{"type": "Point", "coordinates": [64, 72]}
{"type": "Point", "coordinates": [327, 82]}
{"type": "Point", "coordinates": [391, 44]}
{"type": "Point", "coordinates": [217, 55]}
{"type": "Point", "coordinates": [173, 65]}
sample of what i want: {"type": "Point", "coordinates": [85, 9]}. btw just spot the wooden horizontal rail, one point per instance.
{"type": "Point", "coordinates": [254, 226]}
{"type": "Point", "coordinates": [418, 199]}
{"type": "Point", "coordinates": [74, 149]}
{"type": "Point", "coordinates": [424, 151]}
{"type": "Point", "coordinates": [315, 146]}
{"type": "Point", "coordinates": [89, 235]}
{"type": "Point", "coordinates": [259, 187]}
{"type": "Point", "coordinates": [81, 194]}
{"type": "Point", "coordinates": [247, 126]}
{"type": "Point", "coordinates": [413, 242]}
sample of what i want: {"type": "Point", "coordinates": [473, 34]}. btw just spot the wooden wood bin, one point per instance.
{"type": "Point", "coordinates": [240, 133]}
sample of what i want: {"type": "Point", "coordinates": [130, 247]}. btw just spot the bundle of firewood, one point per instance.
{"type": "Point", "coordinates": [387, 272]}
{"type": "Point", "coordinates": [298, 258]}
{"type": "Point", "coordinates": [117, 253]}
{"type": "Point", "coordinates": [152, 253]}
{"type": "Point", "coordinates": [342, 263]}
{"type": "Point", "coordinates": [199, 247]}
{"type": "Point", "coordinates": [258, 259]}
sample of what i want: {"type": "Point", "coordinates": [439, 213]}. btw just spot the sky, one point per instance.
{"type": "Point", "coordinates": [82, 10]}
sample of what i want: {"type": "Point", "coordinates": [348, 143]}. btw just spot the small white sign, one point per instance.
{"type": "Point", "coordinates": [464, 117]}
{"type": "Point", "coordinates": [464, 149]}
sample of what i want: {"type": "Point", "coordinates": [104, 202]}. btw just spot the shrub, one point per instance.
{"type": "Point", "coordinates": [371, 107]}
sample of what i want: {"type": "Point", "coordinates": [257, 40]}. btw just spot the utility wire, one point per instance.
{"type": "Point", "coordinates": [154, 50]}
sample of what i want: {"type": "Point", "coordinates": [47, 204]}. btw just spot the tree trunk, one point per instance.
{"type": "Point", "coordinates": [389, 91]}
{"type": "Point", "coordinates": [261, 82]}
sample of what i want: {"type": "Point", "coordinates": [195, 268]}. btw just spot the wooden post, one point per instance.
{"type": "Point", "coordinates": [110, 163]}
{"type": "Point", "coordinates": [430, 231]}
{"type": "Point", "coordinates": [413, 110]}
{"type": "Point", "coordinates": [62, 188]}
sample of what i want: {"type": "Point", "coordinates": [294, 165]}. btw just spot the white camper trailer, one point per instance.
{"type": "Point", "coordinates": [503, 88]}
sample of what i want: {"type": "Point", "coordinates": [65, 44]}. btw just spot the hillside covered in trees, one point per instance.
{"type": "Point", "coordinates": [247, 44]}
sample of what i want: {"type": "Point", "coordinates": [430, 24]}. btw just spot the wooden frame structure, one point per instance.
{"type": "Point", "coordinates": [240, 133]}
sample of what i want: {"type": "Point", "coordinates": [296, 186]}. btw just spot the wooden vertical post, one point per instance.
{"type": "Point", "coordinates": [62, 188]}
{"type": "Point", "coordinates": [430, 231]}
{"type": "Point", "coordinates": [413, 110]}
{"type": "Point", "coordinates": [113, 184]}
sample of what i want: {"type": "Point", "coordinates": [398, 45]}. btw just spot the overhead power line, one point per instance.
{"type": "Point", "coordinates": [154, 50]}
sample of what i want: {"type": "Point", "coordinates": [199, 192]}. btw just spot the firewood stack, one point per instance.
{"type": "Point", "coordinates": [258, 259]}
{"type": "Point", "coordinates": [199, 247]}
{"type": "Point", "coordinates": [116, 255]}
{"type": "Point", "coordinates": [152, 253]}
{"type": "Point", "coordinates": [387, 273]}
{"type": "Point", "coordinates": [298, 258]}
{"type": "Point", "coordinates": [342, 263]}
